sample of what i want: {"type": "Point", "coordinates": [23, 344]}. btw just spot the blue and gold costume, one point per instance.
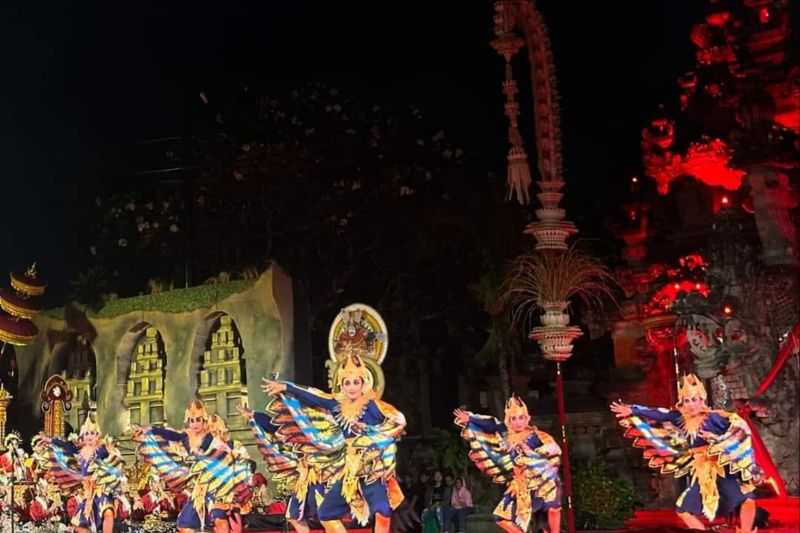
{"type": "Point", "coordinates": [526, 462]}
{"type": "Point", "coordinates": [357, 437]}
{"type": "Point", "coordinates": [306, 474]}
{"type": "Point", "coordinates": [97, 481]}
{"type": "Point", "coordinates": [219, 478]}
{"type": "Point", "coordinates": [712, 449]}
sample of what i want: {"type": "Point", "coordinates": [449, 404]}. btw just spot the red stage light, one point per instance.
{"type": "Point", "coordinates": [764, 15]}
{"type": "Point", "coordinates": [728, 310]}
{"type": "Point", "coordinates": [725, 200]}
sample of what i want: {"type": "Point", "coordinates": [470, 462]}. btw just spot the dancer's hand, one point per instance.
{"type": "Point", "coordinates": [245, 411]}
{"type": "Point", "coordinates": [273, 388]}
{"type": "Point", "coordinates": [462, 416]}
{"type": "Point", "coordinates": [138, 433]}
{"type": "Point", "coordinates": [622, 410]}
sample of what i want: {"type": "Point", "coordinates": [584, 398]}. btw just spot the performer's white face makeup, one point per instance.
{"type": "Point", "coordinates": [89, 438]}
{"type": "Point", "coordinates": [353, 388]}
{"type": "Point", "coordinates": [519, 422]}
{"type": "Point", "coordinates": [196, 424]}
{"type": "Point", "coordinates": [693, 405]}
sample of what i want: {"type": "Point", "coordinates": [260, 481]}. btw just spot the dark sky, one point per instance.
{"type": "Point", "coordinates": [79, 79]}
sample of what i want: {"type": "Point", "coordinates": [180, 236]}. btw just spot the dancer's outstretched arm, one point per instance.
{"type": "Point", "coordinates": [486, 423]}
{"type": "Point", "coordinates": [659, 414]}
{"type": "Point", "coordinates": [309, 397]}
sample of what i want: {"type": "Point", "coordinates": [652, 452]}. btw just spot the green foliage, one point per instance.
{"type": "Point", "coordinates": [489, 290]}
{"type": "Point", "coordinates": [485, 493]}
{"type": "Point", "coordinates": [174, 301]}
{"type": "Point", "coordinates": [602, 501]}
{"type": "Point", "coordinates": [88, 287]}
{"type": "Point", "coordinates": [451, 451]}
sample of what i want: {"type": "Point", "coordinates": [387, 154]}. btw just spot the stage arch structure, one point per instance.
{"type": "Point", "coordinates": [155, 352]}
{"type": "Point", "coordinates": [145, 383]}
{"type": "Point", "coordinates": [222, 374]}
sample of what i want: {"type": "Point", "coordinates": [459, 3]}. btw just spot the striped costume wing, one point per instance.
{"type": "Point", "coordinates": [380, 442]}
{"type": "Point", "coordinates": [309, 430]}
{"type": "Point", "coordinates": [378, 454]}
{"type": "Point", "coordinates": [108, 473]}
{"type": "Point", "coordinates": [161, 455]}
{"type": "Point", "coordinates": [734, 449]}
{"type": "Point", "coordinates": [62, 467]}
{"type": "Point", "coordinates": [488, 451]}
{"type": "Point", "coordinates": [225, 475]}
{"type": "Point", "coordinates": [542, 473]}
{"type": "Point", "coordinates": [281, 459]}
{"type": "Point", "coordinates": [665, 449]}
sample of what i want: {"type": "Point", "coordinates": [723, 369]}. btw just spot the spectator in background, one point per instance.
{"type": "Point", "coordinates": [258, 484]}
{"type": "Point", "coordinates": [445, 509]}
{"type": "Point", "coordinates": [437, 513]}
{"type": "Point", "coordinates": [434, 495]}
{"type": "Point", "coordinates": [419, 492]}
{"type": "Point", "coordinates": [461, 504]}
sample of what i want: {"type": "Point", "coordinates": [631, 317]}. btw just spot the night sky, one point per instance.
{"type": "Point", "coordinates": [80, 80]}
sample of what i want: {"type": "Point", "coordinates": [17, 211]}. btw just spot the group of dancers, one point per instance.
{"type": "Point", "coordinates": [338, 452]}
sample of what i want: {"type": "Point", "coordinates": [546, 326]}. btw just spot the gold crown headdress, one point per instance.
{"type": "Point", "coordinates": [89, 426]}
{"type": "Point", "coordinates": [217, 427]}
{"type": "Point", "coordinates": [197, 409]}
{"type": "Point", "coordinates": [36, 441]}
{"type": "Point", "coordinates": [515, 406]}
{"type": "Point", "coordinates": [354, 367]}
{"type": "Point", "coordinates": [12, 436]}
{"type": "Point", "coordinates": [689, 386]}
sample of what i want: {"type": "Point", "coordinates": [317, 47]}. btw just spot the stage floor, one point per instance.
{"type": "Point", "coordinates": [784, 517]}
{"type": "Point", "coordinates": [360, 530]}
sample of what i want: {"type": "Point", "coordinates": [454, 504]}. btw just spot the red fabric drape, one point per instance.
{"type": "Point", "coordinates": [790, 347]}
{"type": "Point", "coordinates": [764, 460]}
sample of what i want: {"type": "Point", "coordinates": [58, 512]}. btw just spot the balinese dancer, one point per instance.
{"type": "Point", "coordinates": [522, 457]}
{"type": "Point", "coordinates": [41, 508]}
{"type": "Point", "coordinates": [241, 506]}
{"type": "Point", "coordinates": [711, 447]}
{"type": "Point", "coordinates": [352, 422]}
{"type": "Point", "coordinates": [93, 467]}
{"type": "Point", "coordinates": [306, 475]}
{"type": "Point", "coordinates": [349, 431]}
{"type": "Point", "coordinates": [219, 479]}
{"type": "Point", "coordinates": [13, 462]}
{"type": "Point", "coordinates": [155, 499]}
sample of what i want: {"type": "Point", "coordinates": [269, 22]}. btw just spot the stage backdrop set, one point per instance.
{"type": "Point", "coordinates": [145, 357]}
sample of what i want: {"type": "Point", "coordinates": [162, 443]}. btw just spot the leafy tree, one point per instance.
{"type": "Point", "coordinates": [602, 501]}
{"type": "Point", "coordinates": [358, 201]}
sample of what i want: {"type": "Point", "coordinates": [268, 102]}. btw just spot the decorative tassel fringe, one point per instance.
{"type": "Point", "coordinates": [519, 175]}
